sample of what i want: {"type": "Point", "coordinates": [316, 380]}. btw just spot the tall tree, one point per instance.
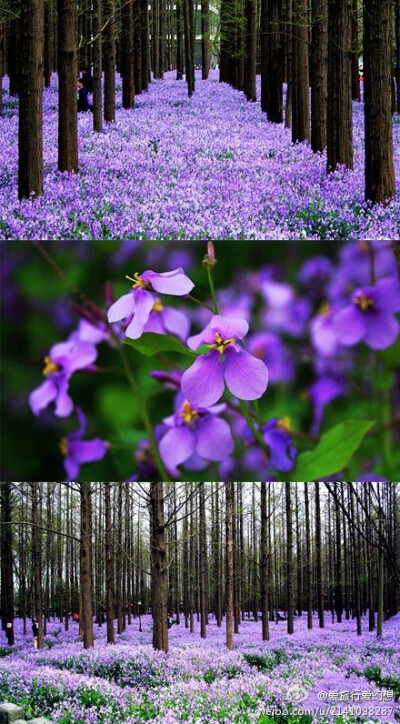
{"type": "Point", "coordinates": [379, 156]}
{"type": "Point", "coordinates": [67, 66]}
{"type": "Point", "coordinates": [229, 497]}
{"type": "Point", "coordinates": [109, 62]}
{"type": "Point", "coordinates": [205, 39]}
{"type": "Point", "coordinates": [300, 73]}
{"type": "Point", "coordinates": [86, 588]}
{"type": "Point", "coordinates": [264, 573]}
{"type": "Point", "coordinates": [30, 115]}
{"type": "Point", "coordinates": [158, 567]}
{"type": "Point", "coordinates": [340, 121]}
{"type": "Point", "coordinates": [97, 66]}
{"type": "Point", "coordinates": [319, 74]}
{"type": "Point", "coordinates": [249, 84]}
{"type": "Point", "coordinates": [289, 558]}
{"type": "Point", "coordinates": [6, 563]}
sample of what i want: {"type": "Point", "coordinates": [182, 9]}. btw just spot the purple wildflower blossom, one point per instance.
{"type": "Point", "coordinates": [139, 303]}
{"type": "Point", "coordinates": [226, 362]}
{"type": "Point", "coordinates": [63, 360]}
{"type": "Point", "coordinates": [77, 451]}
{"type": "Point", "coordinates": [195, 434]}
{"type": "Point", "coordinates": [277, 435]}
{"type": "Point", "coordinates": [167, 320]}
{"type": "Point", "coordinates": [370, 316]}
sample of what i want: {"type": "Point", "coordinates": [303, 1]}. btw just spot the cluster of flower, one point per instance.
{"type": "Point", "coordinates": [357, 303]}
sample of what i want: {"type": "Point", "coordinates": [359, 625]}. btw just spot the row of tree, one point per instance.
{"type": "Point", "coordinates": [229, 550]}
{"type": "Point", "coordinates": [307, 43]}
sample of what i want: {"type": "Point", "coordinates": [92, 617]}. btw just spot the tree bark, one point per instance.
{"type": "Point", "coordinates": [300, 73]}
{"type": "Point", "coordinates": [318, 556]}
{"type": "Point", "coordinates": [340, 122]}
{"type": "Point", "coordinates": [379, 156]}
{"type": "Point", "coordinates": [319, 74]}
{"type": "Point", "coordinates": [67, 65]}
{"type": "Point", "coordinates": [97, 67]}
{"type": "Point", "coordinates": [86, 565]}
{"type": "Point", "coordinates": [264, 564]}
{"type": "Point", "coordinates": [289, 559]}
{"type": "Point", "coordinates": [159, 568]}
{"type": "Point", "coordinates": [7, 577]}
{"type": "Point", "coordinates": [229, 493]}
{"type": "Point", "coordinates": [30, 114]}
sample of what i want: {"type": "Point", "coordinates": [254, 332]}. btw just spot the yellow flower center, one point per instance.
{"type": "Point", "coordinates": [139, 282]}
{"type": "Point", "coordinates": [188, 414]}
{"type": "Point", "coordinates": [157, 306]}
{"type": "Point", "coordinates": [50, 366]}
{"type": "Point", "coordinates": [284, 423]}
{"type": "Point", "coordinates": [220, 343]}
{"type": "Point", "coordinates": [364, 302]}
{"type": "Point", "coordinates": [64, 447]}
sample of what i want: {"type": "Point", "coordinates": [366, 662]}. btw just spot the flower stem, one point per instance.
{"type": "Point", "coordinates": [212, 290]}
{"type": "Point", "coordinates": [257, 434]}
{"type": "Point", "coordinates": [164, 477]}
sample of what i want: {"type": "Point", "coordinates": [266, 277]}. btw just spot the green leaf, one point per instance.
{"type": "Point", "coordinates": [151, 343]}
{"type": "Point", "coordinates": [333, 452]}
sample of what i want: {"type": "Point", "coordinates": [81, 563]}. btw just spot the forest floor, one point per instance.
{"type": "Point", "coordinates": [209, 167]}
{"type": "Point", "coordinates": [329, 675]}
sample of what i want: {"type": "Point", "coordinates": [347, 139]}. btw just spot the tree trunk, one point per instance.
{"type": "Point", "coordinates": [249, 83]}
{"type": "Point", "coordinates": [30, 134]}
{"type": "Point", "coordinates": [137, 46]}
{"type": "Point", "coordinates": [127, 71]}
{"type": "Point", "coordinates": [109, 566]}
{"type": "Point", "coordinates": [37, 562]}
{"type": "Point", "coordinates": [229, 493]}
{"type": "Point", "coordinates": [109, 64]}
{"type": "Point", "coordinates": [319, 74]}
{"type": "Point", "coordinates": [264, 564]}
{"type": "Point", "coordinates": [318, 556]}
{"type": "Point", "coordinates": [97, 67]}
{"type": "Point", "coordinates": [300, 73]}
{"type": "Point", "coordinates": [7, 577]}
{"type": "Point", "coordinates": [308, 558]}
{"type": "Point", "coordinates": [379, 158]}
{"type": "Point", "coordinates": [86, 565]}
{"type": "Point", "coordinates": [189, 48]}
{"type": "Point", "coordinates": [355, 73]}
{"type": "Point", "coordinates": [205, 39]}
{"type": "Point", "coordinates": [340, 123]}
{"type": "Point", "coordinates": [203, 562]}
{"type": "Point", "coordinates": [48, 43]}
{"type": "Point", "coordinates": [289, 559]}
{"type": "Point", "coordinates": [159, 568]}
{"type": "Point", "coordinates": [67, 65]}
{"type": "Point", "coordinates": [275, 63]}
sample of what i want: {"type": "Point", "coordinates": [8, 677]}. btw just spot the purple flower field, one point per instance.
{"type": "Point", "coordinates": [328, 675]}
{"type": "Point", "coordinates": [211, 167]}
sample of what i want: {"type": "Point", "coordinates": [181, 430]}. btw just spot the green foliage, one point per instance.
{"type": "Point", "coordinates": [267, 663]}
{"type": "Point", "coordinates": [374, 673]}
{"type": "Point", "coordinates": [5, 651]}
{"type": "Point", "coordinates": [333, 452]}
{"type": "Point", "coordinates": [151, 344]}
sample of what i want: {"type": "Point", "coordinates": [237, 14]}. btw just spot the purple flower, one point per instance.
{"type": "Point", "coordinates": [369, 317]}
{"type": "Point", "coordinates": [77, 451]}
{"type": "Point", "coordinates": [269, 347]}
{"type": "Point", "coordinates": [322, 332]}
{"type": "Point", "coordinates": [277, 435]}
{"type": "Point", "coordinates": [225, 362]}
{"type": "Point", "coordinates": [139, 303]}
{"type": "Point", "coordinates": [195, 434]}
{"type": "Point", "coordinates": [326, 389]}
{"type": "Point", "coordinates": [63, 360]}
{"type": "Point", "coordinates": [166, 320]}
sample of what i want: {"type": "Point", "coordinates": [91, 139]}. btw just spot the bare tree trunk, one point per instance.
{"type": "Point", "coordinates": [379, 158]}
{"type": "Point", "coordinates": [289, 559]}
{"type": "Point", "coordinates": [229, 494]}
{"type": "Point", "coordinates": [355, 74]}
{"type": "Point", "coordinates": [319, 74]}
{"type": "Point", "coordinates": [37, 562]}
{"type": "Point", "coordinates": [86, 565]}
{"type": "Point", "coordinates": [264, 564]}
{"type": "Point", "coordinates": [250, 50]}
{"type": "Point", "coordinates": [203, 562]}
{"type": "Point", "coordinates": [109, 566]}
{"type": "Point", "coordinates": [159, 568]}
{"type": "Point", "coordinates": [340, 122]}
{"type": "Point", "coordinates": [300, 73]}
{"type": "Point", "coordinates": [308, 559]}
{"type": "Point", "coordinates": [205, 39]}
{"type": "Point", "coordinates": [30, 134]}
{"type": "Point", "coordinates": [97, 67]}
{"type": "Point", "coordinates": [6, 562]}
{"type": "Point", "coordinates": [67, 65]}
{"type": "Point", "coordinates": [318, 556]}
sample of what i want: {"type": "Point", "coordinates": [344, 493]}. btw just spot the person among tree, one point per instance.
{"type": "Point", "coordinates": [35, 631]}
{"type": "Point", "coordinates": [87, 79]}
{"type": "Point", "coordinates": [170, 621]}
{"type": "Point", "coordinates": [9, 633]}
{"type": "Point", "coordinates": [83, 101]}
{"type": "Point", "coordinates": [76, 617]}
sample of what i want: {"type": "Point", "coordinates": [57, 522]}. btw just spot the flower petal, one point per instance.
{"type": "Point", "coordinates": [382, 329]}
{"type": "Point", "coordinates": [350, 325]}
{"type": "Point", "coordinates": [229, 326]}
{"type": "Point", "coordinates": [86, 451]}
{"type": "Point", "coordinates": [177, 445]}
{"type": "Point", "coordinates": [64, 404]}
{"type": "Point", "coordinates": [144, 303]}
{"type": "Point", "coordinates": [174, 282]}
{"type": "Point", "coordinates": [245, 375]}
{"type": "Point", "coordinates": [40, 397]}
{"type": "Point", "coordinates": [214, 439]}
{"type": "Point", "coordinates": [175, 322]}
{"type": "Point", "coordinates": [203, 383]}
{"type": "Point", "coordinates": [71, 468]}
{"type": "Point", "coordinates": [387, 294]}
{"type": "Point", "coordinates": [122, 308]}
